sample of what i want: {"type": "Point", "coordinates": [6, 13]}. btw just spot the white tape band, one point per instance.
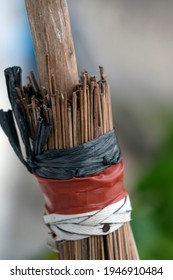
{"type": "Point", "coordinates": [80, 226]}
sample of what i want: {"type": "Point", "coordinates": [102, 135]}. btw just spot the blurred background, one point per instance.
{"type": "Point", "coordinates": [133, 41]}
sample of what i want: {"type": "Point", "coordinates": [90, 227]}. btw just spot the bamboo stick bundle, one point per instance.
{"type": "Point", "coordinates": [74, 113]}
{"type": "Point", "coordinates": [119, 244]}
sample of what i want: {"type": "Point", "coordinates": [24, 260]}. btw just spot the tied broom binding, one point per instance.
{"type": "Point", "coordinates": [78, 170]}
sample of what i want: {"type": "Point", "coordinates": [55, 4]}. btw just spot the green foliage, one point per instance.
{"type": "Point", "coordinates": [44, 255]}
{"type": "Point", "coordinates": [153, 215]}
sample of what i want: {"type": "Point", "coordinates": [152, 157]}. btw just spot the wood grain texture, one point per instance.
{"type": "Point", "coordinates": [52, 36]}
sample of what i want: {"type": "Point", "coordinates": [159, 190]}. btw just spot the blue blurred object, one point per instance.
{"type": "Point", "coordinates": [21, 235]}
{"type": "Point", "coordinates": [16, 48]}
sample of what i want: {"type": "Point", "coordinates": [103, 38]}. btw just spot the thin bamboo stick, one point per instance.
{"type": "Point", "coordinates": [63, 121]}
{"type": "Point", "coordinates": [33, 81]}
{"type": "Point", "coordinates": [79, 133]}
{"type": "Point", "coordinates": [96, 133]}
{"type": "Point", "coordinates": [54, 118]}
{"type": "Point", "coordinates": [46, 117]}
{"type": "Point", "coordinates": [102, 96]}
{"type": "Point", "coordinates": [82, 116]}
{"type": "Point", "coordinates": [92, 110]}
{"type": "Point", "coordinates": [74, 112]}
{"type": "Point", "coordinates": [85, 115]}
{"type": "Point", "coordinates": [70, 131]}
{"type": "Point", "coordinates": [59, 120]}
{"type": "Point", "coordinates": [107, 87]}
{"type": "Point", "coordinates": [33, 104]}
{"type": "Point", "coordinates": [88, 113]}
{"type": "Point", "coordinates": [51, 136]}
{"type": "Point", "coordinates": [100, 116]}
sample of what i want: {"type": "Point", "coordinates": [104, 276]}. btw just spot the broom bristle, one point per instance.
{"type": "Point", "coordinates": [119, 245]}
{"type": "Point", "coordinates": [89, 106]}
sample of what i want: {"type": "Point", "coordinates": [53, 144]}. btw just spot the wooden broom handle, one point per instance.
{"type": "Point", "coordinates": [53, 42]}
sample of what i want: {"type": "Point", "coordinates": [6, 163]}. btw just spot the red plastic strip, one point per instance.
{"type": "Point", "coordinates": [85, 194]}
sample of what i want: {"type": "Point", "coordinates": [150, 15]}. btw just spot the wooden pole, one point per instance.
{"type": "Point", "coordinates": [52, 36]}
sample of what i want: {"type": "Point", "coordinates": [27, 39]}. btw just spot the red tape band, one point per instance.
{"type": "Point", "coordinates": [85, 194]}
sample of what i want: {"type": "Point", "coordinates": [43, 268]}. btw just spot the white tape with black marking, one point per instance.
{"type": "Point", "coordinates": [80, 226]}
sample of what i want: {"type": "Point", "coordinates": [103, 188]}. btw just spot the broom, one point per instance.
{"type": "Point", "coordinates": [58, 114]}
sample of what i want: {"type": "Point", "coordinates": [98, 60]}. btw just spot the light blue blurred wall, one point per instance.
{"type": "Point", "coordinates": [21, 235]}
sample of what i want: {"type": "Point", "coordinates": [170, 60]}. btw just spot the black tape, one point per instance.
{"type": "Point", "coordinates": [83, 160]}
